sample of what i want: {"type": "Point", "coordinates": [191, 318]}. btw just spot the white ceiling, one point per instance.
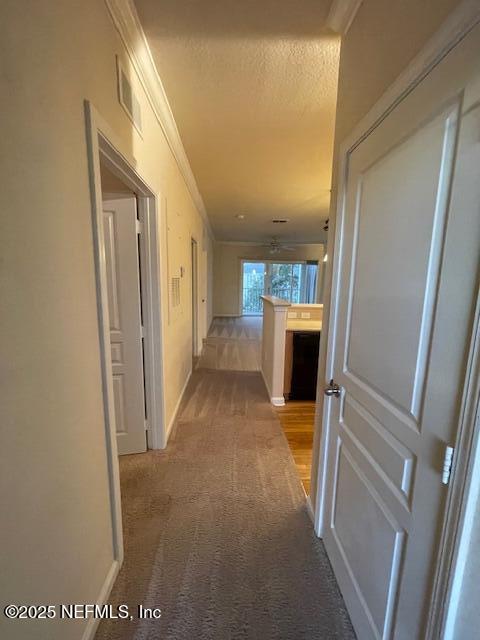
{"type": "Point", "coordinates": [252, 86]}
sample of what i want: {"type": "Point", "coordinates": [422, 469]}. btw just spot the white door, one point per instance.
{"type": "Point", "coordinates": [407, 262]}
{"type": "Point", "coordinates": [124, 306]}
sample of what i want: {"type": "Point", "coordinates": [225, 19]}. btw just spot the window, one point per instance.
{"type": "Point", "coordinates": [253, 287]}
{"type": "Point", "coordinates": [292, 281]}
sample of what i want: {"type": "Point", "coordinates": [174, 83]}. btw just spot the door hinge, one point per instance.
{"type": "Point", "coordinates": [142, 331]}
{"type": "Point", "coordinates": [139, 226]}
{"type": "Point", "coordinates": [447, 464]}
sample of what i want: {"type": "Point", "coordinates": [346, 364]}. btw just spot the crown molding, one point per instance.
{"type": "Point", "coordinates": [248, 243]}
{"type": "Point", "coordinates": [126, 21]}
{"type": "Point", "coordinates": [463, 19]}
{"type": "Point", "coordinates": [342, 14]}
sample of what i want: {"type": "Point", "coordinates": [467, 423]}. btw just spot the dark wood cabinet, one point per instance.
{"type": "Point", "coordinates": [301, 365]}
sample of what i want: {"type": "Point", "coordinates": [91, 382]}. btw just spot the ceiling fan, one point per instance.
{"type": "Point", "coordinates": [276, 246]}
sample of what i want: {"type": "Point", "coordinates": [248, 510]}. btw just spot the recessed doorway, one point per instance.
{"type": "Point", "coordinates": [194, 259]}
{"type": "Point", "coordinates": [128, 285]}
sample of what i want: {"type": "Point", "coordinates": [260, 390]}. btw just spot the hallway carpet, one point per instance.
{"type": "Point", "coordinates": [233, 343]}
{"type": "Point", "coordinates": [216, 530]}
{"type": "Point", "coordinates": [237, 328]}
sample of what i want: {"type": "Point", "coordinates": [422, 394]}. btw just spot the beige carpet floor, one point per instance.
{"type": "Point", "coordinates": [216, 529]}
{"type": "Point", "coordinates": [237, 328]}
{"type": "Point", "coordinates": [233, 344]}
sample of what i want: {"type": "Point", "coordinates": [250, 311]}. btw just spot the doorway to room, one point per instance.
{"type": "Point", "coordinates": [194, 266]}
{"type": "Point", "coordinates": [294, 281]}
{"type": "Point", "coordinates": [127, 267]}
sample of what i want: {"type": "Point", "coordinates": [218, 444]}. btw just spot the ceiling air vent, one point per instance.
{"type": "Point", "coordinates": [127, 97]}
{"type": "Point", "coordinates": [280, 220]}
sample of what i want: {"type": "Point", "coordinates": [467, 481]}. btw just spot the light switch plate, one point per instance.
{"type": "Point", "coordinates": [305, 315]}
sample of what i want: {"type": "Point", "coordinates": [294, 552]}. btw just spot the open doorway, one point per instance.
{"type": "Point", "coordinates": [194, 261]}
{"type": "Point", "coordinates": [126, 251]}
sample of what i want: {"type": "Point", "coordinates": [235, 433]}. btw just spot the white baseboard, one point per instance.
{"type": "Point", "coordinates": [177, 407]}
{"type": "Point", "coordinates": [102, 598]}
{"type": "Point", "coordinates": [310, 512]}
{"type": "Point", "coordinates": [277, 401]}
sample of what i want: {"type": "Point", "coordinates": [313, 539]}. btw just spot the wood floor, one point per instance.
{"type": "Point", "coordinates": [297, 419]}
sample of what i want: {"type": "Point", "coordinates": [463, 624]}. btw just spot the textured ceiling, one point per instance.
{"type": "Point", "coordinates": [252, 86]}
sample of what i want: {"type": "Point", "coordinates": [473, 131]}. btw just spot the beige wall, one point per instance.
{"type": "Point", "coordinates": [227, 269]}
{"type": "Point", "coordinates": [55, 525]}
{"type": "Point", "coordinates": [383, 38]}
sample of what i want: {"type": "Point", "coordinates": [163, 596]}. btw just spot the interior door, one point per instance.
{"type": "Point", "coordinates": [407, 262]}
{"type": "Point", "coordinates": [124, 306]}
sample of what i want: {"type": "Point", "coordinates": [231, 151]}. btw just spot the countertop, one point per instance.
{"type": "Point", "coordinates": [294, 324]}
{"type": "Point", "coordinates": [276, 302]}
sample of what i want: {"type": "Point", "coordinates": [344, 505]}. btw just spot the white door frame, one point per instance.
{"type": "Point", "coordinates": [102, 144]}
{"type": "Point", "coordinates": [194, 267]}
{"type": "Point", "coordinates": [460, 22]}
{"type": "Point", "coordinates": [465, 483]}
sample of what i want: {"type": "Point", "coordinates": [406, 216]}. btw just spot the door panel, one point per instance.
{"type": "Point", "coordinates": [409, 239]}
{"type": "Point", "coordinates": [120, 403]}
{"type": "Point", "coordinates": [369, 537]}
{"type": "Point", "coordinates": [124, 305]}
{"type": "Point", "coordinates": [387, 455]}
{"type": "Point", "coordinates": [390, 307]}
